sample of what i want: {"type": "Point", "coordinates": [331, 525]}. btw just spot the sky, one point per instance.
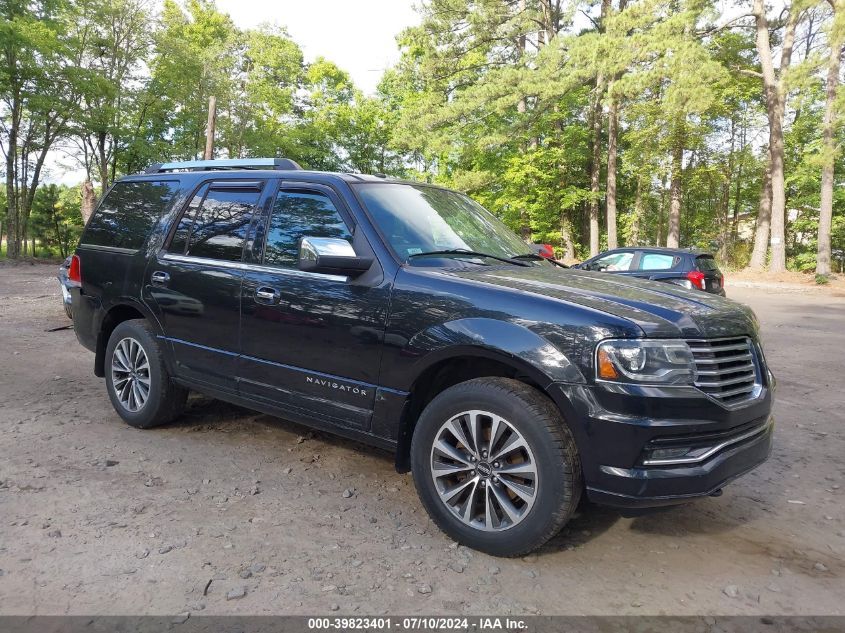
{"type": "Point", "coordinates": [357, 35]}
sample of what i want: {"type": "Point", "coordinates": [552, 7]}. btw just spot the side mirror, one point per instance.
{"type": "Point", "coordinates": [331, 256]}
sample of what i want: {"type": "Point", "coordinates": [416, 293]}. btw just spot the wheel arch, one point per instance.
{"type": "Point", "coordinates": [451, 367]}
{"type": "Point", "coordinates": [125, 310]}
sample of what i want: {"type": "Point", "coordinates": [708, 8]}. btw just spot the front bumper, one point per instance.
{"type": "Point", "coordinates": [617, 430]}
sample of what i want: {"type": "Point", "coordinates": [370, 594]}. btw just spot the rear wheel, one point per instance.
{"type": "Point", "coordinates": [137, 381]}
{"type": "Point", "coordinates": [496, 466]}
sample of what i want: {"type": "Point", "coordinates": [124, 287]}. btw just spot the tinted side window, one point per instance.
{"type": "Point", "coordinates": [656, 261]}
{"type": "Point", "coordinates": [128, 213]}
{"type": "Point", "coordinates": [179, 242]}
{"type": "Point", "coordinates": [220, 226]}
{"type": "Point", "coordinates": [297, 214]}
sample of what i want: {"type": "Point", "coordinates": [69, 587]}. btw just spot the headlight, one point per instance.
{"type": "Point", "coordinates": [645, 361]}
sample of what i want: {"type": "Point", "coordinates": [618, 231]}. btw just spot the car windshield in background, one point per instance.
{"type": "Point", "coordinates": [419, 219]}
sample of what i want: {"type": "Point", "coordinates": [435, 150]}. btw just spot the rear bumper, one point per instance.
{"type": "Point", "coordinates": [85, 309]}
{"type": "Point", "coordinates": [618, 430]}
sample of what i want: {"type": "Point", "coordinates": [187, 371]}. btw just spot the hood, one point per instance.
{"type": "Point", "coordinates": [660, 309]}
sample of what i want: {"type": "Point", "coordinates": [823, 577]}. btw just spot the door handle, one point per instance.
{"type": "Point", "coordinates": [159, 278]}
{"type": "Point", "coordinates": [266, 295]}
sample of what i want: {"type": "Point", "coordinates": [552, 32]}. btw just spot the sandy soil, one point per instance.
{"type": "Point", "coordinates": [100, 518]}
{"type": "Point", "coordinates": [786, 282]}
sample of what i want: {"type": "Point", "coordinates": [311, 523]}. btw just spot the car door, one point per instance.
{"type": "Point", "coordinates": [310, 342]}
{"type": "Point", "coordinates": [194, 283]}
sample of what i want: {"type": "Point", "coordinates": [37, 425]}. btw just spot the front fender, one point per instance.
{"type": "Point", "coordinates": [493, 338]}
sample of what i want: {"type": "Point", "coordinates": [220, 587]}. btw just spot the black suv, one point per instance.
{"type": "Point", "coordinates": [689, 268]}
{"type": "Point", "coordinates": [406, 316]}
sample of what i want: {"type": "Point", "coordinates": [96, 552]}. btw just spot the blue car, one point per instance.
{"type": "Point", "coordinates": [690, 268]}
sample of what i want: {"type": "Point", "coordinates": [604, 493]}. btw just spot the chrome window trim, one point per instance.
{"type": "Point", "coordinates": [109, 249]}
{"type": "Point", "coordinates": [713, 450]}
{"type": "Point", "coordinates": [218, 263]}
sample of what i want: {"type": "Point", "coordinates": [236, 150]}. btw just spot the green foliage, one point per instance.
{"type": "Point", "coordinates": [494, 97]}
{"type": "Point", "coordinates": [57, 219]}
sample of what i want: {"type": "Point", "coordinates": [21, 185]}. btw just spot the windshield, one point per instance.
{"type": "Point", "coordinates": [706, 263]}
{"type": "Point", "coordinates": [419, 219]}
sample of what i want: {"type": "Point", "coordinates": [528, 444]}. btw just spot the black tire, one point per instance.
{"type": "Point", "coordinates": [553, 451]}
{"type": "Point", "coordinates": [165, 399]}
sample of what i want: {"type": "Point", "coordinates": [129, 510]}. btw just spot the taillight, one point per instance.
{"type": "Point", "coordinates": [547, 251]}
{"type": "Point", "coordinates": [697, 279]}
{"type": "Point", "coordinates": [723, 280]}
{"type": "Point", "coordinates": [74, 273]}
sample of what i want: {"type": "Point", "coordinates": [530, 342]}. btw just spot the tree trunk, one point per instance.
{"type": "Point", "coordinates": [27, 190]}
{"type": "Point", "coordinates": [638, 214]}
{"type": "Point", "coordinates": [775, 106]}
{"type": "Point", "coordinates": [612, 131]}
{"type": "Point", "coordinates": [566, 238]}
{"type": "Point", "coordinates": [743, 138]}
{"type": "Point", "coordinates": [725, 204]}
{"type": "Point", "coordinates": [764, 218]}
{"type": "Point", "coordinates": [57, 228]}
{"type": "Point", "coordinates": [673, 235]}
{"type": "Point", "coordinates": [102, 163]}
{"type": "Point", "coordinates": [11, 184]}
{"type": "Point", "coordinates": [829, 154]}
{"type": "Point", "coordinates": [595, 169]}
{"type": "Point", "coordinates": [612, 145]}
{"type": "Point", "coordinates": [524, 215]}
{"type": "Point", "coordinates": [89, 201]}
{"type": "Point", "coordinates": [659, 239]}
{"type": "Point", "coordinates": [209, 131]}
{"type": "Point", "coordinates": [595, 165]}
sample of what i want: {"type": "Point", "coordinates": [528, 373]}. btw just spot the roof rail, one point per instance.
{"type": "Point", "coordinates": [221, 164]}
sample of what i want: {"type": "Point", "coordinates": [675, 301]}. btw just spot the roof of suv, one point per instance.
{"type": "Point", "coordinates": [251, 167]}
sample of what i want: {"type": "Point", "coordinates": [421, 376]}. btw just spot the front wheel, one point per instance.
{"type": "Point", "coordinates": [137, 381]}
{"type": "Point", "coordinates": [496, 466]}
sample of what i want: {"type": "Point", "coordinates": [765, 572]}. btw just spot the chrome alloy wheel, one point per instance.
{"type": "Point", "coordinates": [484, 470]}
{"type": "Point", "coordinates": [130, 374]}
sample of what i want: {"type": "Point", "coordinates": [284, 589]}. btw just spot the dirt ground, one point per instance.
{"type": "Point", "coordinates": [100, 518]}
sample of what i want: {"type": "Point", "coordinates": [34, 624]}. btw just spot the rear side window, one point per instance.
{"type": "Point", "coordinates": [298, 214]}
{"type": "Point", "coordinates": [216, 222]}
{"type": "Point", "coordinates": [706, 264]}
{"type": "Point", "coordinates": [129, 211]}
{"type": "Point", "coordinates": [183, 230]}
{"type": "Point", "coordinates": [656, 261]}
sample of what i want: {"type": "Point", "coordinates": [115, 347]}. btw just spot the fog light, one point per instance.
{"type": "Point", "coordinates": [667, 453]}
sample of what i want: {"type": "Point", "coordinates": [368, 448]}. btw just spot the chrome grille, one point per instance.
{"type": "Point", "coordinates": [726, 368]}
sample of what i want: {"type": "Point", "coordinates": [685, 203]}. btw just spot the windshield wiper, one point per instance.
{"type": "Point", "coordinates": [536, 257]}
{"type": "Point", "coordinates": [461, 251]}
